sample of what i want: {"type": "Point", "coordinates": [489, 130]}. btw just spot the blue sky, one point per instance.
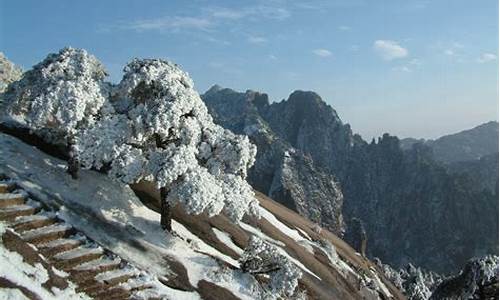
{"type": "Point", "coordinates": [411, 68]}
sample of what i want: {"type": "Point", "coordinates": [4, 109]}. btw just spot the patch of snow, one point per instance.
{"type": "Point", "coordinates": [304, 233]}
{"type": "Point", "coordinates": [199, 245]}
{"type": "Point", "coordinates": [260, 234]}
{"type": "Point", "coordinates": [225, 238]}
{"type": "Point", "coordinates": [381, 286]}
{"type": "Point", "coordinates": [292, 233]}
{"type": "Point", "coordinates": [60, 273]}
{"type": "Point", "coordinates": [10, 294]}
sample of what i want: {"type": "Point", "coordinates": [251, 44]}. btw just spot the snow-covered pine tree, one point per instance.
{"type": "Point", "coordinates": [8, 72]}
{"type": "Point", "coordinates": [58, 97]}
{"type": "Point", "coordinates": [161, 131]}
{"type": "Point", "coordinates": [261, 257]}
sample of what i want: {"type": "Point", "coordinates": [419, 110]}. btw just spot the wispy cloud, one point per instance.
{"type": "Point", "coordinates": [409, 66]}
{"type": "Point", "coordinates": [256, 39]}
{"type": "Point", "coordinates": [322, 52]}
{"type": "Point", "coordinates": [389, 50]}
{"type": "Point", "coordinates": [486, 57]}
{"type": "Point", "coordinates": [404, 69]}
{"type": "Point", "coordinates": [344, 28]}
{"type": "Point", "coordinates": [206, 19]}
{"type": "Point", "coordinates": [250, 12]}
{"type": "Point", "coordinates": [169, 24]}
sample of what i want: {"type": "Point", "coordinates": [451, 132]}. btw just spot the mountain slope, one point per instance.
{"type": "Point", "coordinates": [406, 200]}
{"type": "Point", "coordinates": [200, 259]}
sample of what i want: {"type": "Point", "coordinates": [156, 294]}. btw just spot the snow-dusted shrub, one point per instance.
{"type": "Point", "coordinates": [59, 95]}
{"type": "Point", "coordinates": [477, 280]}
{"type": "Point", "coordinates": [8, 72]}
{"type": "Point", "coordinates": [414, 282]}
{"type": "Point", "coordinates": [260, 257]}
{"type": "Point", "coordinates": [161, 131]}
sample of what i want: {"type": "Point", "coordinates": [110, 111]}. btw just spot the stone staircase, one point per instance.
{"type": "Point", "coordinates": [94, 270]}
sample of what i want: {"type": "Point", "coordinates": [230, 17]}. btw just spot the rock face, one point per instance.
{"type": "Point", "coordinates": [281, 171]}
{"type": "Point", "coordinates": [406, 200]}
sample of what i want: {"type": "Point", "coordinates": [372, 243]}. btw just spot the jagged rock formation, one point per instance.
{"type": "Point", "coordinates": [281, 171]}
{"type": "Point", "coordinates": [406, 199]}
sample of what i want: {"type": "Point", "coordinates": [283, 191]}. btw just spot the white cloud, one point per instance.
{"type": "Point", "coordinates": [256, 40]}
{"type": "Point", "coordinates": [170, 23]}
{"type": "Point", "coordinates": [344, 28]}
{"type": "Point", "coordinates": [449, 52]}
{"type": "Point", "coordinates": [486, 57]}
{"type": "Point", "coordinates": [389, 50]}
{"type": "Point", "coordinates": [322, 52]}
{"type": "Point", "coordinates": [404, 69]}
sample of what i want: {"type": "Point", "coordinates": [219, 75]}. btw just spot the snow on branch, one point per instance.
{"type": "Point", "coordinates": [263, 258]}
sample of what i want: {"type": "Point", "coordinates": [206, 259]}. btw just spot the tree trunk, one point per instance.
{"type": "Point", "coordinates": [73, 162]}
{"type": "Point", "coordinates": [165, 211]}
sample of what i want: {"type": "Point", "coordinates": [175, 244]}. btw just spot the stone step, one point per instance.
{"type": "Point", "coordinates": [100, 265]}
{"type": "Point", "coordinates": [74, 257]}
{"type": "Point", "coordinates": [10, 199]}
{"type": "Point", "coordinates": [136, 284]}
{"type": "Point", "coordinates": [113, 293]}
{"type": "Point", "coordinates": [47, 234]}
{"type": "Point", "coordinates": [55, 247]}
{"type": "Point", "coordinates": [30, 222]}
{"type": "Point", "coordinates": [90, 287]}
{"type": "Point", "coordinates": [10, 213]}
{"type": "Point", "coordinates": [115, 277]}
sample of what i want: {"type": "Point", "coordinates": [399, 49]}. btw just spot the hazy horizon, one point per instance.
{"type": "Point", "coordinates": [418, 69]}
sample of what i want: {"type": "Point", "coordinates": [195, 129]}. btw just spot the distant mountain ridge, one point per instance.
{"type": "Point", "coordinates": [405, 199]}
{"type": "Point", "coordinates": [471, 144]}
